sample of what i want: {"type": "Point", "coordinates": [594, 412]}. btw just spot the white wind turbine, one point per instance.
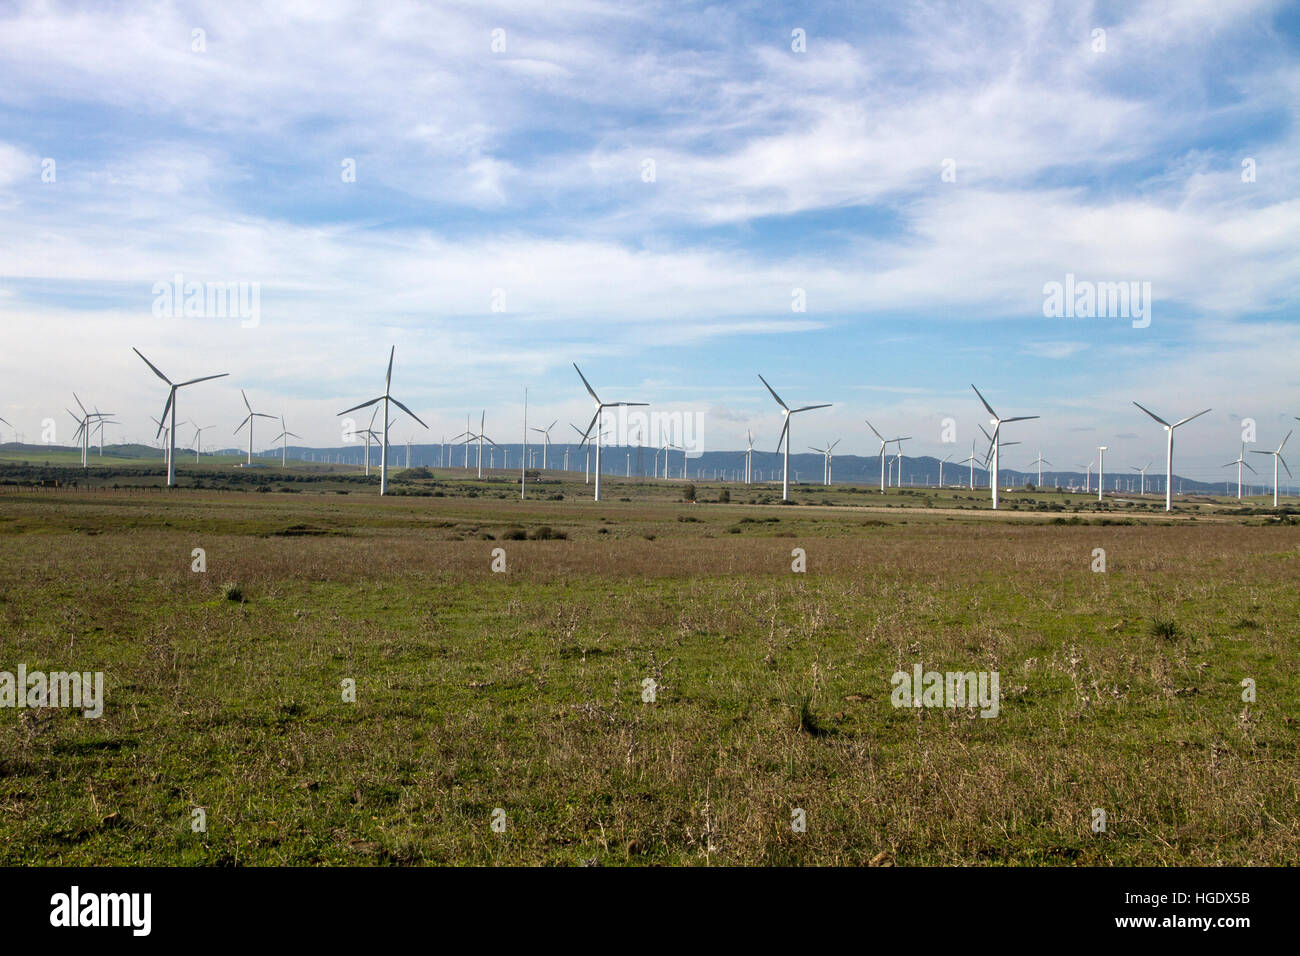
{"type": "Point", "coordinates": [198, 440]}
{"type": "Point", "coordinates": [1277, 456]}
{"type": "Point", "coordinates": [898, 463]}
{"type": "Point", "coordinates": [546, 440]}
{"type": "Point", "coordinates": [830, 460]}
{"type": "Point", "coordinates": [994, 443]}
{"type": "Point", "coordinates": [1040, 461]}
{"type": "Point", "coordinates": [970, 460]}
{"type": "Point", "coordinates": [385, 398]}
{"type": "Point", "coordinates": [1001, 444]}
{"type": "Point", "coordinates": [941, 471]}
{"type": "Point", "coordinates": [1101, 470]}
{"type": "Point", "coordinates": [884, 445]}
{"type": "Point", "coordinates": [368, 435]}
{"type": "Point", "coordinates": [1142, 481]}
{"type": "Point", "coordinates": [1239, 461]}
{"type": "Point", "coordinates": [598, 421]}
{"type": "Point", "coordinates": [2, 421]}
{"type": "Point", "coordinates": [1169, 450]}
{"type": "Point", "coordinates": [283, 439]}
{"type": "Point", "coordinates": [1087, 488]}
{"type": "Point", "coordinates": [249, 422]}
{"type": "Point", "coordinates": [171, 407]}
{"type": "Point", "coordinates": [749, 456]}
{"type": "Point", "coordinates": [99, 427]}
{"type": "Point", "coordinates": [586, 466]}
{"type": "Point", "coordinates": [481, 438]}
{"type": "Point", "coordinates": [786, 412]}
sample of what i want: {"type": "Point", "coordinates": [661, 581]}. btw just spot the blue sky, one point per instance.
{"type": "Point", "coordinates": [522, 170]}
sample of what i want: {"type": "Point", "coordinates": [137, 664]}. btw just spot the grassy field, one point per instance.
{"type": "Point", "coordinates": [523, 690]}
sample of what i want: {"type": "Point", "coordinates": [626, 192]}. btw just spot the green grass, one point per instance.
{"type": "Point", "coordinates": [523, 690]}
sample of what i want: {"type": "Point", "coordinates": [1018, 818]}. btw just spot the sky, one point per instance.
{"type": "Point", "coordinates": [865, 203]}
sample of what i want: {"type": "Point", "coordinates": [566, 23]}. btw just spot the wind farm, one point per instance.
{"type": "Point", "coordinates": [830, 364]}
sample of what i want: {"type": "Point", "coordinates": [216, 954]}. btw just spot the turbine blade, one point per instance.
{"type": "Point", "coordinates": [151, 365]}
{"type": "Point", "coordinates": [388, 379]}
{"type": "Point", "coordinates": [590, 390]}
{"type": "Point", "coordinates": [1018, 418]}
{"type": "Point", "coordinates": [1152, 414]}
{"type": "Point", "coordinates": [205, 378]}
{"type": "Point", "coordinates": [362, 405]}
{"type": "Point", "coordinates": [774, 395]}
{"type": "Point", "coordinates": [1190, 417]}
{"type": "Point", "coordinates": [809, 408]}
{"type": "Point", "coordinates": [407, 410]}
{"type": "Point", "coordinates": [1285, 465]}
{"type": "Point", "coordinates": [784, 430]}
{"type": "Point", "coordinates": [242, 424]}
{"type": "Point", "coordinates": [246, 405]}
{"type": "Point", "coordinates": [986, 404]}
{"type": "Point", "coordinates": [874, 432]}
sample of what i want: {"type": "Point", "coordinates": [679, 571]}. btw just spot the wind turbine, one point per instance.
{"type": "Point", "coordinates": [884, 444]}
{"type": "Point", "coordinates": [385, 398]}
{"type": "Point", "coordinates": [100, 428]}
{"type": "Point", "coordinates": [749, 456]}
{"type": "Point", "coordinates": [598, 421]}
{"type": "Point", "coordinates": [546, 440]}
{"type": "Point", "coordinates": [586, 466]}
{"type": "Point", "coordinates": [830, 460]}
{"type": "Point", "coordinates": [1142, 486]}
{"type": "Point", "coordinates": [1277, 456]}
{"type": "Point", "coordinates": [2, 421]}
{"type": "Point", "coordinates": [898, 463]}
{"type": "Point", "coordinates": [994, 444]}
{"type": "Point", "coordinates": [786, 412]}
{"type": "Point", "coordinates": [994, 438]}
{"type": "Point", "coordinates": [1101, 470]}
{"type": "Point", "coordinates": [1169, 451]}
{"type": "Point", "coordinates": [249, 422]}
{"type": "Point", "coordinates": [283, 439]}
{"type": "Point", "coordinates": [1239, 462]}
{"type": "Point", "coordinates": [198, 443]}
{"type": "Point", "coordinates": [171, 407]}
{"type": "Point", "coordinates": [481, 438]}
{"type": "Point", "coordinates": [1040, 462]}
{"type": "Point", "coordinates": [941, 471]}
{"type": "Point", "coordinates": [970, 461]}
{"type": "Point", "coordinates": [1087, 487]}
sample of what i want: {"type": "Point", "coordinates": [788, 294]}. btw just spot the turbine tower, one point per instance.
{"type": "Point", "coordinates": [598, 420]}
{"type": "Point", "coordinates": [994, 444]}
{"type": "Point", "coordinates": [1101, 470]}
{"type": "Point", "coordinates": [1277, 456]}
{"type": "Point", "coordinates": [385, 398]}
{"type": "Point", "coordinates": [170, 407]}
{"type": "Point", "coordinates": [787, 411]}
{"type": "Point", "coordinates": [1169, 450]}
